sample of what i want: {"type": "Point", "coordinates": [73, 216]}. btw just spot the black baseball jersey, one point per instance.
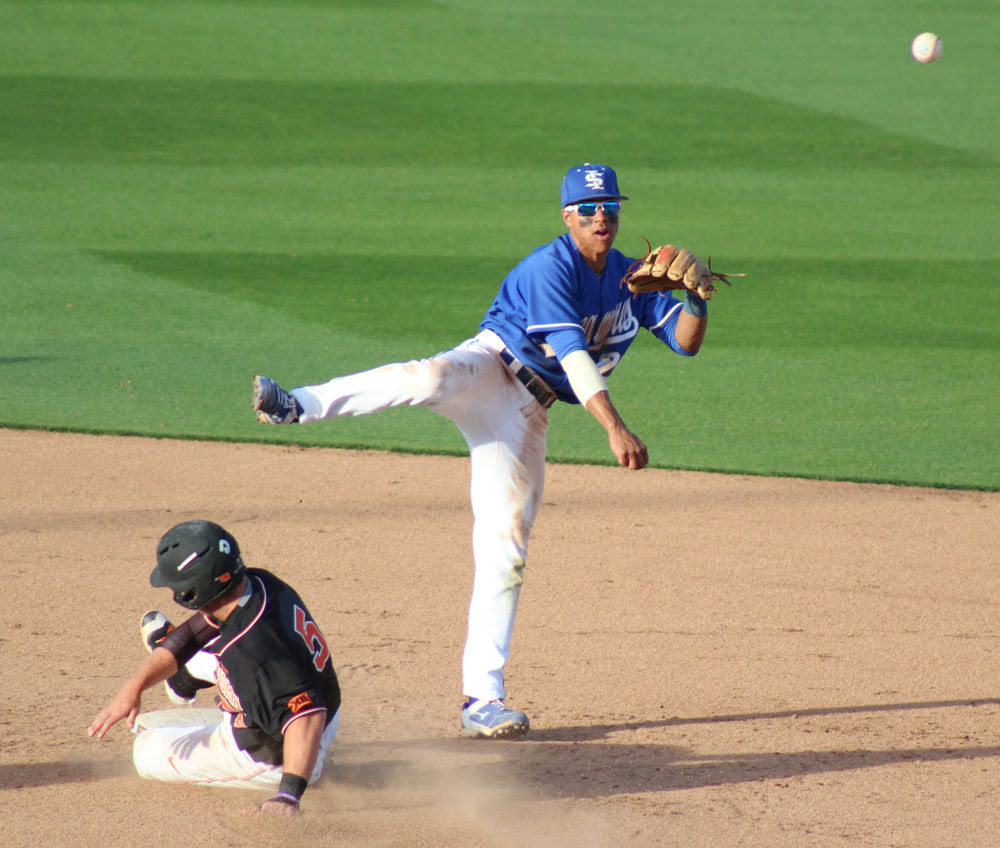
{"type": "Point", "coordinates": [274, 663]}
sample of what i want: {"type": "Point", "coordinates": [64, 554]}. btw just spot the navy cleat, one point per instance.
{"type": "Point", "coordinates": [492, 720]}
{"type": "Point", "coordinates": [273, 404]}
{"type": "Point", "coordinates": [181, 687]}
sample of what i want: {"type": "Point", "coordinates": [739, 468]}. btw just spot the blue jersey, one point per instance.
{"type": "Point", "coordinates": [552, 303]}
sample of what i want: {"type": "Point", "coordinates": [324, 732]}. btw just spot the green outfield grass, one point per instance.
{"type": "Point", "coordinates": [195, 192]}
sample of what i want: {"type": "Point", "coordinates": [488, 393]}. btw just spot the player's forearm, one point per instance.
{"type": "Point", "coordinates": [301, 744]}
{"type": "Point", "coordinates": [158, 666]}
{"type": "Point", "coordinates": [300, 751]}
{"type": "Point", "coordinates": [690, 331]}
{"type": "Point", "coordinates": [600, 406]}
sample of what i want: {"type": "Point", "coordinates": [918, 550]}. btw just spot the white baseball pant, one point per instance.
{"type": "Point", "coordinates": [196, 745]}
{"type": "Point", "coordinates": [193, 745]}
{"type": "Point", "coordinates": [505, 428]}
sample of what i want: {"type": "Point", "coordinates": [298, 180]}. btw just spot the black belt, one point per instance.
{"type": "Point", "coordinates": [532, 382]}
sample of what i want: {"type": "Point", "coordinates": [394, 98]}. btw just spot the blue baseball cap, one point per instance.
{"type": "Point", "coordinates": [590, 182]}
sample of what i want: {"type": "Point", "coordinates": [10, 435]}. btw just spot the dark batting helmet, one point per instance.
{"type": "Point", "coordinates": [199, 561]}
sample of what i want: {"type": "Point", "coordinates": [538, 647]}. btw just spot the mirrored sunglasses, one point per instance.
{"type": "Point", "coordinates": [589, 210]}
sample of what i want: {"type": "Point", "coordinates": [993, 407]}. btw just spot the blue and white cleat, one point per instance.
{"type": "Point", "coordinates": [492, 720]}
{"type": "Point", "coordinates": [273, 404]}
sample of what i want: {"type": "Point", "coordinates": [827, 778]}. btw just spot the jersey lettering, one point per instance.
{"type": "Point", "coordinates": [307, 629]}
{"type": "Point", "coordinates": [615, 327]}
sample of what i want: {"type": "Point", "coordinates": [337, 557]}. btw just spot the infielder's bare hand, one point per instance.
{"type": "Point", "coordinates": [629, 448]}
{"type": "Point", "coordinates": [125, 705]}
{"type": "Point", "coordinates": [625, 445]}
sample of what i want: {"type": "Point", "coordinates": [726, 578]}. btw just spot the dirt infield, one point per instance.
{"type": "Point", "coordinates": [707, 660]}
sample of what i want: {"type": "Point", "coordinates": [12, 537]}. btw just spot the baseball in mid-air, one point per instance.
{"type": "Point", "coordinates": [927, 47]}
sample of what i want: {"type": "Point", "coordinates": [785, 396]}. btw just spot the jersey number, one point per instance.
{"type": "Point", "coordinates": [313, 638]}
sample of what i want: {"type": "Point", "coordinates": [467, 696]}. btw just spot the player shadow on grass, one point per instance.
{"type": "Point", "coordinates": [580, 762]}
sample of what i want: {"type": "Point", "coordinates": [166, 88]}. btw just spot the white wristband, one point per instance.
{"type": "Point", "coordinates": [584, 378]}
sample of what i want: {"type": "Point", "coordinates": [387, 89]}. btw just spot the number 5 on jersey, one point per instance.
{"type": "Point", "coordinates": [307, 629]}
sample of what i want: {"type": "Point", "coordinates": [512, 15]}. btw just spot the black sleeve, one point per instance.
{"type": "Point", "coordinates": [185, 640]}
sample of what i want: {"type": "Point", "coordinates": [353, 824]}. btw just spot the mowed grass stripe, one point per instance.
{"type": "Point", "coordinates": [260, 122]}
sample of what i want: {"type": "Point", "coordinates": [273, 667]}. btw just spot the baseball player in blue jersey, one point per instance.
{"type": "Point", "coordinates": [557, 328]}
